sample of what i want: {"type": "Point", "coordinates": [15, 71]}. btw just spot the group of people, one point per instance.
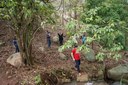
{"type": "Point", "coordinates": [60, 37]}
{"type": "Point", "coordinates": [74, 54]}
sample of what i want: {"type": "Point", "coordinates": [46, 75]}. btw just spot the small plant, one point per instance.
{"type": "Point", "coordinates": [37, 80]}
{"type": "Point", "coordinates": [117, 57]}
{"type": "Point", "coordinates": [23, 82]}
{"type": "Point", "coordinates": [100, 56]}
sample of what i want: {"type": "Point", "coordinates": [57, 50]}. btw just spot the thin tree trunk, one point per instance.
{"type": "Point", "coordinates": [30, 54]}
{"type": "Point", "coordinates": [126, 40]}
{"type": "Point", "coordinates": [63, 13]}
{"type": "Point", "coordinates": [28, 49]}
{"type": "Point", "coordinates": [75, 14]}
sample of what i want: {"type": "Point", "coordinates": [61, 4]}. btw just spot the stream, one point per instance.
{"type": "Point", "coordinates": [74, 83]}
{"type": "Point", "coordinates": [95, 83]}
{"type": "Point", "coordinates": [87, 83]}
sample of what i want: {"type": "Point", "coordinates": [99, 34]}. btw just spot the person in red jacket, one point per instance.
{"type": "Point", "coordinates": [76, 57]}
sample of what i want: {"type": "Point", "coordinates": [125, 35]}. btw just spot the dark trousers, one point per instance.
{"type": "Point", "coordinates": [17, 48]}
{"type": "Point", "coordinates": [61, 42]}
{"type": "Point", "coordinates": [83, 42]}
{"type": "Point", "coordinates": [77, 65]}
{"type": "Point", "coordinates": [49, 43]}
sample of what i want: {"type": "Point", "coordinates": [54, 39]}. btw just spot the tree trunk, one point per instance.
{"type": "Point", "coordinates": [63, 13]}
{"type": "Point", "coordinates": [75, 14]}
{"type": "Point", "coordinates": [28, 49]}
{"type": "Point", "coordinates": [126, 40]}
{"type": "Point", "coordinates": [25, 49]}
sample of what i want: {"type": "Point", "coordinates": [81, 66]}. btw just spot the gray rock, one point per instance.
{"type": "Point", "coordinates": [90, 56]}
{"type": "Point", "coordinates": [66, 80]}
{"type": "Point", "coordinates": [41, 49]}
{"type": "Point", "coordinates": [55, 39]}
{"type": "Point", "coordinates": [118, 72]}
{"type": "Point", "coordinates": [82, 78]}
{"type": "Point", "coordinates": [62, 56]}
{"type": "Point", "coordinates": [100, 83]}
{"type": "Point", "coordinates": [9, 77]}
{"type": "Point", "coordinates": [100, 74]}
{"type": "Point", "coordinates": [118, 83]}
{"type": "Point", "coordinates": [89, 83]}
{"type": "Point", "coordinates": [15, 60]}
{"type": "Point", "coordinates": [71, 83]}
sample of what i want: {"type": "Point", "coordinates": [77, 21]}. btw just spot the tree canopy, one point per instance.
{"type": "Point", "coordinates": [26, 17]}
{"type": "Point", "coordinates": [105, 22]}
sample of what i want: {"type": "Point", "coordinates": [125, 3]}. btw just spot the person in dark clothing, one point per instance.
{"type": "Point", "coordinates": [16, 44]}
{"type": "Point", "coordinates": [48, 39]}
{"type": "Point", "coordinates": [60, 36]}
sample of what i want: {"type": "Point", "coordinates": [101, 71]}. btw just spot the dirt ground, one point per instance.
{"type": "Point", "coordinates": [44, 61]}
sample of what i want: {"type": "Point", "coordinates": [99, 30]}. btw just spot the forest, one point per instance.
{"type": "Point", "coordinates": [63, 42]}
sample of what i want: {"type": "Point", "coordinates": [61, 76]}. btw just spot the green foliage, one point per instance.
{"type": "Point", "coordinates": [109, 16]}
{"type": "Point", "coordinates": [37, 80]}
{"type": "Point", "coordinates": [71, 27]}
{"type": "Point", "coordinates": [94, 3]}
{"type": "Point", "coordinates": [23, 82]}
{"type": "Point", "coordinates": [75, 33]}
{"type": "Point", "coordinates": [100, 56]}
{"type": "Point", "coordinates": [25, 9]}
{"type": "Point", "coordinates": [117, 56]}
{"type": "Point", "coordinates": [104, 22]}
{"type": "Point", "coordinates": [26, 17]}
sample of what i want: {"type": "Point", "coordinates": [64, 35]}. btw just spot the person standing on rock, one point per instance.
{"type": "Point", "coordinates": [76, 57]}
{"type": "Point", "coordinates": [48, 39]}
{"type": "Point", "coordinates": [16, 44]}
{"type": "Point", "coordinates": [60, 36]}
{"type": "Point", "coordinates": [83, 39]}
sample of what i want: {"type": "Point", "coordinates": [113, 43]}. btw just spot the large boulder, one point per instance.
{"type": "Point", "coordinates": [119, 72]}
{"type": "Point", "coordinates": [82, 78]}
{"type": "Point", "coordinates": [62, 56]}
{"type": "Point", "coordinates": [90, 55]}
{"type": "Point", "coordinates": [118, 83]}
{"type": "Point", "coordinates": [15, 60]}
{"type": "Point", "coordinates": [100, 74]}
{"type": "Point", "coordinates": [55, 39]}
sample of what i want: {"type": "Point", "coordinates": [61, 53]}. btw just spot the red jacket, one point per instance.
{"type": "Point", "coordinates": [76, 55]}
{"type": "Point", "coordinates": [74, 51]}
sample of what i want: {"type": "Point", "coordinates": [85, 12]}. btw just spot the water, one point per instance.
{"type": "Point", "coordinates": [74, 83]}
{"type": "Point", "coordinates": [88, 83]}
